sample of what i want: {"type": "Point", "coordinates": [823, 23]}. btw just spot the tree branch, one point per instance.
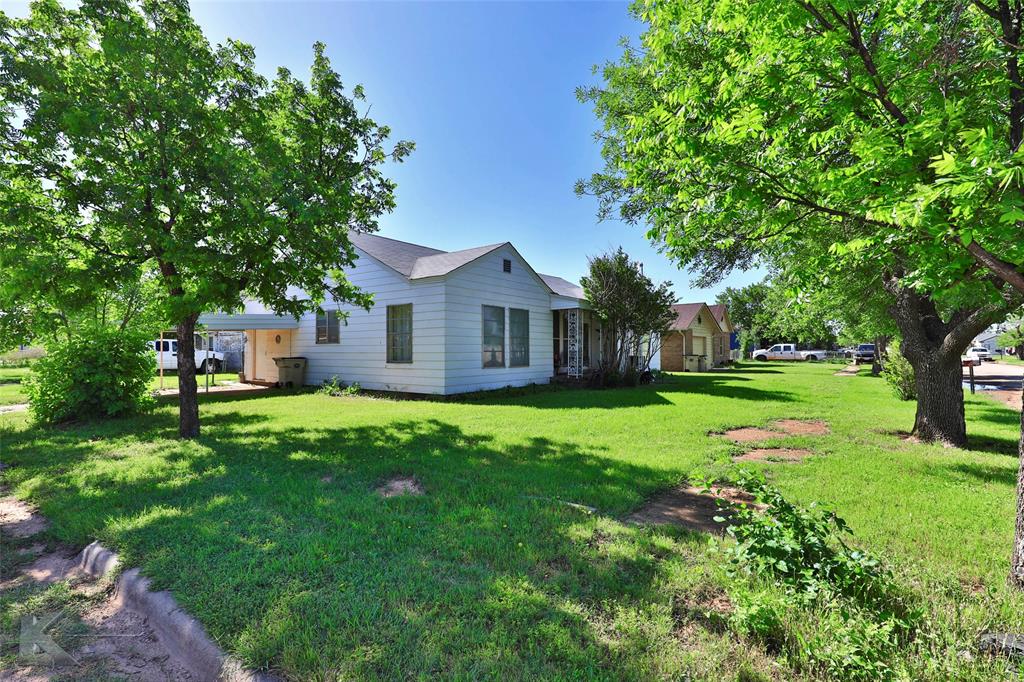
{"type": "Point", "coordinates": [1007, 272]}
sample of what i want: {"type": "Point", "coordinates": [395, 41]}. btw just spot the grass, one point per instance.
{"type": "Point", "coordinates": [171, 380]}
{"type": "Point", "coordinates": [268, 528]}
{"type": "Point", "coordinates": [12, 392]}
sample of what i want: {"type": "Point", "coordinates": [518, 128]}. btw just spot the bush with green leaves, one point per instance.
{"type": "Point", "coordinates": [899, 374]}
{"type": "Point", "coordinates": [96, 372]}
{"type": "Point", "coordinates": [801, 589]}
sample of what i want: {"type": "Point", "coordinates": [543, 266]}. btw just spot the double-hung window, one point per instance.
{"type": "Point", "coordinates": [400, 333]}
{"type": "Point", "coordinates": [493, 336]}
{"type": "Point", "coordinates": [518, 337]}
{"type": "Point", "coordinates": [327, 326]}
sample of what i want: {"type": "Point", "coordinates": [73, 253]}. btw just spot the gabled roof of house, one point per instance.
{"type": "Point", "coordinates": [721, 313]}
{"type": "Point", "coordinates": [686, 313]}
{"type": "Point", "coordinates": [563, 287]}
{"type": "Point", "coordinates": [399, 256]}
{"type": "Point", "coordinates": [443, 263]}
{"type": "Point", "coordinates": [418, 262]}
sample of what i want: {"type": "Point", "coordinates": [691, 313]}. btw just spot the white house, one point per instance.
{"type": "Point", "coordinates": [441, 323]}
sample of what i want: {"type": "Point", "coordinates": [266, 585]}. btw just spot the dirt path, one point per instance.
{"type": "Point", "coordinates": [1011, 399]}
{"type": "Point", "coordinates": [104, 639]}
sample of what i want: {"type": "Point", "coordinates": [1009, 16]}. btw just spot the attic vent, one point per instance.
{"type": "Point", "coordinates": [506, 265]}
{"type": "Point", "coordinates": [698, 320]}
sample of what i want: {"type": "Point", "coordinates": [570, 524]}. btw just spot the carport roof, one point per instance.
{"type": "Point", "coordinates": [222, 322]}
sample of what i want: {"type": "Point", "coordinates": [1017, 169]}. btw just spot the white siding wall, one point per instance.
{"type": "Point", "coordinates": [480, 283]}
{"type": "Point", "coordinates": [361, 355]}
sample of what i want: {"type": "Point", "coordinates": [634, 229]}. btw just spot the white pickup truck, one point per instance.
{"type": "Point", "coordinates": [169, 357]}
{"type": "Point", "coordinates": [787, 351]}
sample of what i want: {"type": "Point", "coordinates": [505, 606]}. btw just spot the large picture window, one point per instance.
{"type": "Point", "coordinates": [400, 333]}
{"type": "Point", "coordinates": [327, 326]}
{"type": "Point", "coordinates": [518, 337]}
{"type": "Point", "coordinates": [493, 336]}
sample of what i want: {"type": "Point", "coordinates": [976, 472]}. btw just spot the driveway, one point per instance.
{"type": "Point", "coordinates": [999, 381]}
{"type": "Point", "coordinates": [991, 376]}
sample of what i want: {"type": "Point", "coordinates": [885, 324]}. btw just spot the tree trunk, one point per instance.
{"type": "Point", "coordinates": [1017, 559]}
{"type": "Point", "coordinates": [188, 399]}
{"type": "Point", "coordinates": [876, 359]}
{"type": "Point", "coordinates": [933, 347]}
{"type": "Point", "coordinates": [940, 400]}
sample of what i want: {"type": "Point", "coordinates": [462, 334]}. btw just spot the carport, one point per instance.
{"type": "Point", "coordinates": [267, 336]}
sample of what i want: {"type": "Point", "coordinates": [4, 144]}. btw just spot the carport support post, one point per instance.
{"type": "Point", "coordinates": [206, 364]}
{"type": "Point", "coordinates": [161, 361]}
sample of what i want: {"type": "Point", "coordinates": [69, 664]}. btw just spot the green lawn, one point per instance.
{"type": "Point", "coordinates": [268, 528]}
{"type": "Point", "coordinates": [11, 392]}
{"type": "Point", "coordinates": [171, 380]}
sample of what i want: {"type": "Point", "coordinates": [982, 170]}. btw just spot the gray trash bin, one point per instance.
{"type": "Point", "coordinates": [291, 372]}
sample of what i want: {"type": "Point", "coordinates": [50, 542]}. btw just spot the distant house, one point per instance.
{"type": "Point", "coordinates": [442, 322]}
{"type": "Point", "coordinates": [726, 341]}
{"type": "Point", "coordinates": [697, 339]}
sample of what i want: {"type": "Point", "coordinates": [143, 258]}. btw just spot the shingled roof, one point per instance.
{"type": "Point", "coordinates": [443, 263]}
{"type": "Point", "coordinates": [686, 313]}
{"type": "Point", "coordinates": [418, 262]}
{"type": "Point", "coordinates": [564, 287]}
{"type": "Point", "coordinates": [399, 256]}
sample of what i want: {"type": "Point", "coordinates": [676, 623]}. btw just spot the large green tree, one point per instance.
{"type": "Point", "coordinates": [635, 312]}
{"type": "Point", "coordinates": [746, 130]}
{"type": "Point", "coordinates": [130, 144]}
{"type": "Point", "coordinates": [881, 133]}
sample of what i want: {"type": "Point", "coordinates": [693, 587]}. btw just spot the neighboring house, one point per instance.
{"type": "Point", "coordinates": [696, 340]}
{"type": "Point", "coordinates": [441, 323]}
{"type": "Point", "coordinates": [989, 338]}
{"type": "Point", "coordinates": [724, 342]}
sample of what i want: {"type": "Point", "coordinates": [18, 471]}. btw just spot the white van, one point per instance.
{"type": "Point", "coordinates": [169, 356]}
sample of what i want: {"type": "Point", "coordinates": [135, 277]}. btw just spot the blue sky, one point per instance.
{"type": "Point", "coordinates": [487, 92]}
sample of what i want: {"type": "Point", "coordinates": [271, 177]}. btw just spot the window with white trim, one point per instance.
{"type": "Point", "coordinates": [493, 346]}
{"type": "Point", "coordinates": [400, 333]}
{"type": "Point", "coordinates": [518, 337]}
{"type": "Point", "coordinates": [327, 324]}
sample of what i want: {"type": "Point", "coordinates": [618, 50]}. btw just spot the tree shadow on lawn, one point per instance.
{"type": "Point", "coordinates": [276, 540]}
{"type": "Point", "coordinates": [988, 473]}
{"type": "Point", "coordinates": [717, 385]}
{"type": "Point", "coordinates": [985, 416]}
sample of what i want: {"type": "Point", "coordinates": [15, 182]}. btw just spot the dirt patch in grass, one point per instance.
{"type": "Point", "coordinates": [689, 507]}
{"type": "Point", "coordinates": [19, 520]}
{"type": "Point", "coordinates": [848, 371]}
{"type": "Point", "coordinates": [749, 434]}
{"type": "Point", "coordinates": [1011, 399]}
{"type": "Point", "coordinates": [108, 640]}
{"type": "Point", "coordinates": [802, 427]}
{"type": "Point", "coordinates": [773, 455]}
{"type": "Point", "coordinates": [400, 485]}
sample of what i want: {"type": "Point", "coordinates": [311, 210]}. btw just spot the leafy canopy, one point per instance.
{"type": "Point", "coordinates": [631, 305]}
{"type": "Point", "coordinates": [131, 145]}
{"type": "Point", "coordinates": [849, 132]}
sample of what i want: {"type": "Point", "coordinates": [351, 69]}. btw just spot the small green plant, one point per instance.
{"type": "Point", "coordinates": [801, 589]}
{"type": "Point", "coordinates": [98, 371]}
{"type": "Point", "coordinates": [336, 387]}
{"type": "Point", "coordinates": [899, 374]}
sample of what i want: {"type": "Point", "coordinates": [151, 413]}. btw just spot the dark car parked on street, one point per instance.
{"type": "Point", "coordinates": [865, 352]}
